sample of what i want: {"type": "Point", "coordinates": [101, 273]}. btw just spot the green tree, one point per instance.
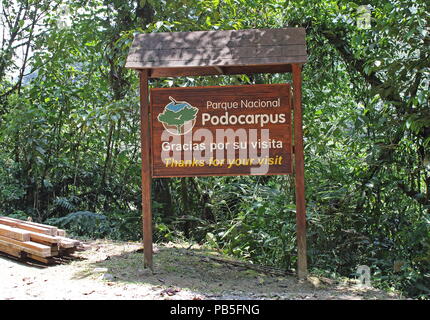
{"type": "Point", "coordinates": [177, 114]}
{"type": "Point", "coordinates": [69, 131]}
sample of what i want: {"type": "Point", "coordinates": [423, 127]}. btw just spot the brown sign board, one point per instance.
{"type": "Point", "coordinates": [175, 54]}
{"type": "Point", "coordinates": [229, 130]}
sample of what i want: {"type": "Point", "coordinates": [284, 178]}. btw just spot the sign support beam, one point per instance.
{"type": "Point", "coordinates": [145, 139]}
{"type": "Point", "coordinates": [302, 265]}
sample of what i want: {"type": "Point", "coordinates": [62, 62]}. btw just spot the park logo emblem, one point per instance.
{"type": "Point", "coordinates": [178, 117]}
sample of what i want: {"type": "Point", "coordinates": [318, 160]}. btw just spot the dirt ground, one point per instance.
{"type": "Point", "coordinates": [114, 270]}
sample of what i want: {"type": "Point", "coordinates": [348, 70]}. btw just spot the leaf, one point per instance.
{"type": "Point", "coordinates": [47, 183]}
{"type": "Point", "coordinates": [91, 43]}
{"type": "Point", "coordinates": [40, 150]}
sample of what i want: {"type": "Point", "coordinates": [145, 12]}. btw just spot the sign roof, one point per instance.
{"type": "Point", "coordinates": [172, 54]}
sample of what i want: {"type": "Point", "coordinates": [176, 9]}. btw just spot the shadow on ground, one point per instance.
{"type": "Point", "coordinates": [28, 262]}
{"type": "Point", "coordinates": [199, 270]}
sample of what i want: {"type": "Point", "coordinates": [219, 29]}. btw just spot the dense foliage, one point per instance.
{"type": "Point", "coordinates": [70, 148]}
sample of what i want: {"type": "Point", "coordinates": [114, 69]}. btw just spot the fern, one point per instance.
{"type": "Point", "coordinates": [64, 203]}
{"type": "Point", "coordinates": [83, 223]}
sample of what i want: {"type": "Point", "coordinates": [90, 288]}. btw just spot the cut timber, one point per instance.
{"type": "Point", "coordinates": [66, 251]}
{"type": "Point", "coordinates": [11, 251]}
{"type": "Point", "coordinates": [43, 238]}
{"type": "Point", "coordinates": [52, 230]}
{"type": "Point", "coordinates": [67, 243]}
{"type": "Point", "coordinates": [14, 233]}
{"type": "Point", "coordinates": [11, 223]}
{"type": "Point", "coordinates": [27, 246]}
{"type": "Point", "coordinates": [54, 250]}
{"type": "Point", "coordinates": [35, 241]}
{"type": "Point", "coordinates": [46, 260]}
{"type": "Point", "coordinates": [26, 224]}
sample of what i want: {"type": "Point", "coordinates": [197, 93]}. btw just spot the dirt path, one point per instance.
{"type": "Point", "coordinates": [113, 270]}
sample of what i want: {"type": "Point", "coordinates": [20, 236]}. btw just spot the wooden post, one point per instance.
{"type": "Point", "coordinates": [145, 140]}
{"type": "Point", "coordinates": [302, 265]}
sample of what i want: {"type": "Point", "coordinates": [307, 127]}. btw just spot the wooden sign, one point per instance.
{"type": "Point", "coordinates": [236, 130]}
{"type": "Point", "coordinates": [230, 130]}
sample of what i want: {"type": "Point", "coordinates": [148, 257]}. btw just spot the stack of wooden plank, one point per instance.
{"type": "Point", "coordinates": [40, 242]}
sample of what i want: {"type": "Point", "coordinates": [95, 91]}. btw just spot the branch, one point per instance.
{"type": "Point", "coordinates": [345, 52]}
{"type": "Point", "coordinates": [413, 194]}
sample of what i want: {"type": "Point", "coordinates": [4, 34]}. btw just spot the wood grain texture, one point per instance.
{"type": "Point", "coordinates": [220, 38]}
{"type": "Point", "coordinates": [11, 250]}
{"type": "Point", "coordinates": [145, 137]}
{"type": "Point", "coordinates": [236, 48]}
{"type": "Point", "coordinates": [215, 55]}
{"type": "Point", "coordinates": [25, 226]}
{"type": "Point", "coordinates": [26, 246]}
{"type": "Point", "coordinates": [226, 70]}
{"type": "Point", "coordinates": [249, 133]}
{"type": "Point", "coordinates": [14, 233]}
{"type": "Point", "coordinates": [26, 239]}
{"type": "Point", "coordinates": [43, 238]}
{"type": "Point", "coordinates": [302, 268]}
{"type": "Point", "coordinates": [214, 61]}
